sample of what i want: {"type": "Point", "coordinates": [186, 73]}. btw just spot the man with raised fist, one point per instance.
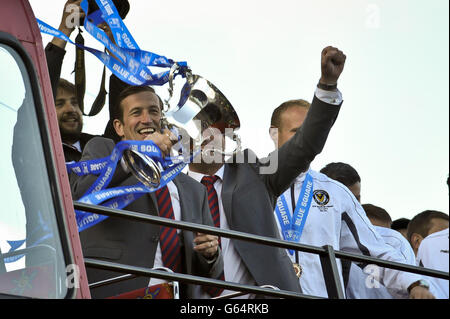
{"type": "Point", "coordinates": [316, 210]}
{"type": "Point", "coordinates": [244, 194]}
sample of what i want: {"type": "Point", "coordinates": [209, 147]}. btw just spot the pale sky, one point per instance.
{"type": "Point", "coordinates": [393, 126]}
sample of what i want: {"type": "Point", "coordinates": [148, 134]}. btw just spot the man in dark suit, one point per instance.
{"type": "Point", "coordinates": [248, 191]}
{"type": "Point", "coordinates": [142, 244]}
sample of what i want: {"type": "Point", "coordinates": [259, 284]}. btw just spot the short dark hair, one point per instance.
{"type": "Point", "coordinates": [401, 223]}
{"type": "Point", "coordinates": [275, 121]}
{"type": "Point", "coordinates": [130, 90]}
{"type": "Point", "coordinates": [65, 85]}
{"type": "Point", "coordinates": [421, 223]}
{"type": "Point", "coordinates": [342, 173]}
{"type": "Point", "coordinates": [378, 213]}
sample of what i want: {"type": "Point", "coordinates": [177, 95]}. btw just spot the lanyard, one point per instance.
{"type": "Point", "coordinates": [292, 225]}
{"type": "Point", "coordinates": [132, 64]}
{"type": "Point", "coordinates": [120, 197]}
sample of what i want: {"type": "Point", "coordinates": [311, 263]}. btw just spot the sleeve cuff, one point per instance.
{"type": "Point", "coordinates": [330, 97]}
{"type": "Point", "coordinates": [213, 260]}
{"type": "Point", "coordinates": [56, 49]}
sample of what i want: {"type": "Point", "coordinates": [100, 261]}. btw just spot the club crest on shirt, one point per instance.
{"type": "Point", "coordinates": [322, 198]}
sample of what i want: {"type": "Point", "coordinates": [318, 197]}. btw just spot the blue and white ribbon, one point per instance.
{"type": "Point", "coordinates": [120, 197]}
{"type": "Point", "coordinates": [131, 65]}
{"type": "Point", "coordinates": [292, 225]}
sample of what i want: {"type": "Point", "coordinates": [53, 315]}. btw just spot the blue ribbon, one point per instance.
{"type": "Point", "coordinates": [41, 228]}
{"type": "Point", "coordinates": [14, 244]}
{"type": "Point", "coordinates": [292, 225]}
{"type": "Point", "coordinates": [120, 197]}
{"type": "Point", "coordinates": [131, 65]}
{"type": "Point", "coordinates": [115, 22]}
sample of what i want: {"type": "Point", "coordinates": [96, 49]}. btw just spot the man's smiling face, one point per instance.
{"type": "Point", "coordinates": [141, 116]}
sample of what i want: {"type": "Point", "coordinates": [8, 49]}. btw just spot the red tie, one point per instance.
{"type": "Point", "coordinates": [168, 238]}
{"type": "Point", "coordinates": [213, 202]}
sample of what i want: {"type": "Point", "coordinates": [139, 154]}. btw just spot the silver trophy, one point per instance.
{"type": "Point", "coordinates": [143, 168]}
{"type": "Point", "coordinates": [201, 107]}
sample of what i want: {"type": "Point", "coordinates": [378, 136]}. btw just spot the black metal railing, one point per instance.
{"type": "Point", "coordinates": [327, 257]}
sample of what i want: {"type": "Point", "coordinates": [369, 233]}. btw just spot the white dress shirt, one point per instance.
{"type": "Point", "coordinates": [234, 268]}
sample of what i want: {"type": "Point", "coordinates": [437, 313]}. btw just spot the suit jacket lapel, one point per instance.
{"type": "Point", "coordinates": [149, 197]}
{"type": "Point", "coordinates": [186, 214]}
{"type": "Point", "coordinates": [228, 186]}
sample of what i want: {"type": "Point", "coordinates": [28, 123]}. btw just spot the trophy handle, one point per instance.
{"type": "Point", "coordinates": [172, 73]}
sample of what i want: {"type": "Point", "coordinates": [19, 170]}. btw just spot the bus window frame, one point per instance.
{"type": "Point", "coordinates": [12, 42]}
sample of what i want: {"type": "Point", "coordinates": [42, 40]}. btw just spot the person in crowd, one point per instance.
{"type": "Point", "coordinates": [345, 174]}
{"type": "Point", "coordinates": [401, 225]}
{"type": "Point", "coordinates": [425, 224]}
{"type": "Point", "coordinates": [378, 216]}
{"type": "Point", "coordinates": [142, 244]}
{"type": "Point", "coordinates": [330, 215]}
{"type": "Point", "coordinates": [70, 121]}
{"type": "Point", "coordinates": [428, 235]}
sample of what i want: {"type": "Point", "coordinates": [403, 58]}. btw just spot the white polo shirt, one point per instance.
{"type": "Point", "coordinates": [234, 268]}
{"type": "Point", "coordinates": [433, 253]}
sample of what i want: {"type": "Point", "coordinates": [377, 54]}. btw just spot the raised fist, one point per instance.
{"type": "Point", "coordinates": [333, 61]}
